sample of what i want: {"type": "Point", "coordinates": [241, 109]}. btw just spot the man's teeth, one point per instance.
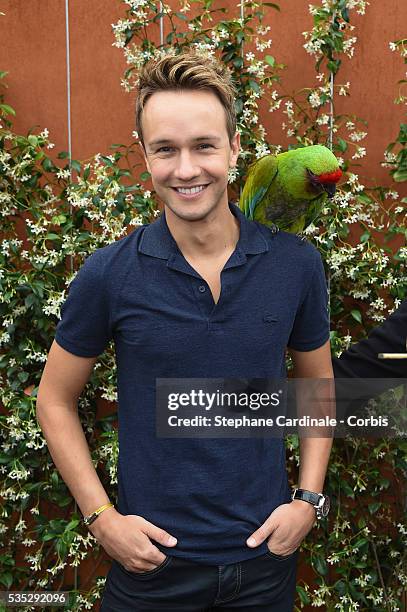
{"type": "Point", "coordinates": [192, 190]}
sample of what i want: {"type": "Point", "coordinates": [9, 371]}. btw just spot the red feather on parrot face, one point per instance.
{"type": "Point", "coordinates": [330, 177]}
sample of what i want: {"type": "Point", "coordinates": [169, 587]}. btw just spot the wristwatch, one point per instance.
{"type": "Point", "coordinates": [320, 501]}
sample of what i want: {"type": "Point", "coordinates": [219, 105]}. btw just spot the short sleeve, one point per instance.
{"type": "Point", "coordinates": [84, 327]}
{"type": "Point", "coordinates": [311, 324]}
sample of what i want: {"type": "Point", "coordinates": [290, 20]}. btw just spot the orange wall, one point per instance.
{"type": "Point", "coordinates": [33, 51]}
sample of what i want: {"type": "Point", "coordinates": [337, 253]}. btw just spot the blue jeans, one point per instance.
{"type": "Point", "coordinates": [265, 583]}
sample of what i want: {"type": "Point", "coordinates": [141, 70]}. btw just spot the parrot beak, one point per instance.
{"type": "Point", "coordinates": [330, 188]}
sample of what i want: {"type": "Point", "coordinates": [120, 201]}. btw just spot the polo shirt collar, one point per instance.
{"type": "Point", "coordinates": [157, 240]}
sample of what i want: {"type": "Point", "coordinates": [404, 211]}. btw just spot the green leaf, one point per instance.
{"type": "Point", "coordinates": [365, 236]}
{"type": "Point", "coordinates": [400, 176]}
{"type": "Point", "coordinates": [48, 536]}
{"type": "Point", "coordinates": [7, 579]}
{"type": "Point", "coordinates": [63, 155]}
{"type": "Point", "coordinates": [270, 60]}
{"type": "Point", "coordinates": [364, 198]}
{"type": "Point", "coordinates": [75, 165]}
{"type": "Point", "coordinates": [303, 595]}
{"type": "Point", "coordinates": [58, 219]}
{"type": "Point", "coordinates": [29, 300]}
{"type": "Point", "coordinates": [144, 176]}
{"type": "Point", "coordinates": [402, 137]}
{"type": "Point", "coordinates": [320, 565]}
{"type": "Point", "coordinates": [342, 145]}
{"type": "Point", "coordinates": [374, 507]}
{"type": "Point", "coordinates": [356, 314]}
{"type": "Point", "coordinates": [361, 542]}
{"type": "Point", "coordinates": [274, 6]}
{"type": "Point", "coordinates": [340, 587]}
{"type": "Point", "coordinates": [72, 524]}
{"type": "Point", "coordinates": [254, 85]}
{"type": "Point", "coordinates": [48, 165]}
{"type": "Point", "coordinates": [23, 376]}
{"type": "Point", "coordinates": [8, 110]}
{"type": "Point", "coordinates": [399, 392]}
{"type": "Point", "coordinates": [333, 65]}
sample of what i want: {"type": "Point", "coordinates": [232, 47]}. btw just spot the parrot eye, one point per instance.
{"type": "Point", "coordinates": [313, 178]}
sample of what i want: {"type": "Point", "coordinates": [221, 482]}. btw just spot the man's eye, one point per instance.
{"type": "Point", "coordinates": [163, 149]}
{"type": "Point", "coordinates": [206, 144]}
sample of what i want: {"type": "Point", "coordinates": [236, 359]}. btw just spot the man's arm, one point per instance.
{"type": "Point", "coordinates": [289, 523]}
{"type": "Point", "coordinates": [125, 538]}
{"type": "Point", "coordinates": [314, 452]}
{"type": "Point", "coordinates": [62, 382]}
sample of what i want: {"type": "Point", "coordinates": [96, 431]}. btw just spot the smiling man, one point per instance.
{"type": "Point", "coordinates": [201, 524]}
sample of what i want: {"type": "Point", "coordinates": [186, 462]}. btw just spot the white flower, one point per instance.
{"type": "Point", "coordinates": [314, 99]}
{"type": "Point", "coordinates": [360, 152]}
{"type": "Point", "coordinates": [232, 175]}
{"type": "Point", "coordinates": [392, 46]}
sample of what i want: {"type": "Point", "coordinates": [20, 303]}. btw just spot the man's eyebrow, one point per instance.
{"type": "Point", "coordinates": [166, 140]}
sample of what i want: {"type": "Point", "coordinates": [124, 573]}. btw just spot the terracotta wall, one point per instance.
{"type": "Point", "coordinates": [33, 50]}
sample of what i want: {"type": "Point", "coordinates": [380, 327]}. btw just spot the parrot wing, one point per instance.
{"type": "Point", "coordinates": [261, 174]}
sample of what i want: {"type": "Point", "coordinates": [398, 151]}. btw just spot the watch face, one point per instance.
{"type": "Point", "coordinates": [326, 505]}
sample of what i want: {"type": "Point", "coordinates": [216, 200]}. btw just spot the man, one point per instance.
{"type": "Point", "coordinates": [200, 293]}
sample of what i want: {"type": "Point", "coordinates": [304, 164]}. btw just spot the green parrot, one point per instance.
{"type": "Point", "coordinates": [290, 189]}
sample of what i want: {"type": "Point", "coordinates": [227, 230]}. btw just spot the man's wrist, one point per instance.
{"type": "Point", "coordinates": [319, 501]}
{"type": "Point", "coordinates": [305, 507]}
{"type": "Point", "coordinates": [102, 525]}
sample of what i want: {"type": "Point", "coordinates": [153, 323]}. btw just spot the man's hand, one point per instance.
{"type": "Point", "coordinates": [126, 538]}
{"type": "Point", "coordinates": [288, 525]}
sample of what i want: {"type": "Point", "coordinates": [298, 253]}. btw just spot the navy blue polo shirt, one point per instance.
{"type": "Point", "coordinates": [140, 291]}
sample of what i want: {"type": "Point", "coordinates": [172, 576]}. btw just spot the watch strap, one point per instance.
{"type": "Point", "coordinates": [308, 496]}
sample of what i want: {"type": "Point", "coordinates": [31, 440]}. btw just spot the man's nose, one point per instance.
{"type": "Point", "coordinates": [186, 167]}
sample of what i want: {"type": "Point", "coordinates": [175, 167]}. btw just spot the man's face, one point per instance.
{"type": "Point", "coordinates": [187, 145]}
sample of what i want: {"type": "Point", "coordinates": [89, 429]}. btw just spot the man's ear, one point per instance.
{"type": "Point", "coordinates": [145, 157]}
{"type": "Point", "coordinates": [235, 149]}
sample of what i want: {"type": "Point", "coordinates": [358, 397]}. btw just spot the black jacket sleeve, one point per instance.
{"type": "Point", "coordinates": [361, 361]}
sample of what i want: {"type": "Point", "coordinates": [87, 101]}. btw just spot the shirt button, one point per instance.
{"type": "Point", "coordinates": [202, 288]}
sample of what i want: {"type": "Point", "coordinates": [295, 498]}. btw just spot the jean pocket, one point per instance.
{"type": "Point", "coordinates": [149, 573]}
{"type": "Point", "coordinates": [273, 555]}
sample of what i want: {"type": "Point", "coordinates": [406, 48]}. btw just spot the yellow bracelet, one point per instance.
{"type": "Point", "coordinates": [88, 520]}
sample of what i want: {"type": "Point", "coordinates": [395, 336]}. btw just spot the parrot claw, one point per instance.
{"type": "Point", "coordinates": [302, 238]}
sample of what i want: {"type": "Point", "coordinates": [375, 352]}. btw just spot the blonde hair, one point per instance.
{"type": "Point", "coordinates": [187, 70]}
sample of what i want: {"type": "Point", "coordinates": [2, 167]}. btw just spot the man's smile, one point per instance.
{"type": "Point", "coordinates": [190, 193]}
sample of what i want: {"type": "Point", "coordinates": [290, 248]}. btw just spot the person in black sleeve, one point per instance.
{"type": "Point", "coordinates": [374, 374]}
{"type": "Point", "coordinates": [361, 359]}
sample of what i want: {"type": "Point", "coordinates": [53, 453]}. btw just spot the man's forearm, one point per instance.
{"type": "Point", "coordinates": [314, 458]}
{"type": "Point", "coordinates": [67, 444]}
